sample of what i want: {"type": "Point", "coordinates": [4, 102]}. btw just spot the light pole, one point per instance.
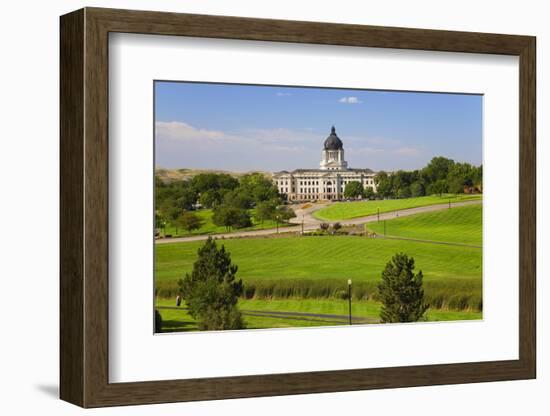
{"type": "Point", "coordinates": [277, 218]}
{"type": "Point", "coordinates": [378, 209]}
{"type": "Point", "coordinates": [349, 299]}
{"type": "Point", "coordinates": [384, 228]}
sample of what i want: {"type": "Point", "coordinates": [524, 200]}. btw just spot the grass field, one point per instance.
{"type": "Point", "coordinates": [179, 320]}
{"type": "Point", "coordinates": [309, 273]}
{"type": "Point", "coordinates": [457, 225]}
{"type": "Point", "coordinates": [209, 227]}
{"type": "Point", "coordinates": [319, 267]}
{"type": "Point", "coordinates": [322, 257]}
{"type": "Point", "coordinates": [349, 210]}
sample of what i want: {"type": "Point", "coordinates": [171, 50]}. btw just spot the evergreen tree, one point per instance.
{"type": "Point", "coordinates": [401, 291]}
{"type": "Point", "coordinates": [158, 321]}
{"type": "Point", "coordinates": [211, 291]}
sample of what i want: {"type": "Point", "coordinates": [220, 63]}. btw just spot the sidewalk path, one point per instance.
{"type": "Point", "coordinates": [303, 316]}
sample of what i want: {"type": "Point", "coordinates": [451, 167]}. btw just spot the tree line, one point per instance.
{"type": "Point", "coordinates": [230, 199]}
{"type": "Point", "coordinates": [441, 175]}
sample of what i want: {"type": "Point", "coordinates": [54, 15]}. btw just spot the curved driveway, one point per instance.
{"type": "Point", "coordinates": [310, 223]}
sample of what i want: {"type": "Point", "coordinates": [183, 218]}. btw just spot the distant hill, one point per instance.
{"type": "Point", "coordinates": [171, 175]}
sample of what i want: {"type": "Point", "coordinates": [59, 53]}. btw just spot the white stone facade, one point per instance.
{"type": "Point", "coordinates": [326, 183]}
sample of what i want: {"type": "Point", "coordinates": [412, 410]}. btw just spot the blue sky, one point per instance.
{"type": "Point", "coordinates": [245, 127]}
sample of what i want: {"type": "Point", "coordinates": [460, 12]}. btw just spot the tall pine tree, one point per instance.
{"type": "Point", "coordinates": [401, 291]}
{"type": "Point", "coordinates": [211, 291]}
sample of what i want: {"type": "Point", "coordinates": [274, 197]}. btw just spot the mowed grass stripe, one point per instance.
{"type": "Point", "coordinates": [322, 257]}
{"type": "Point", "coordinates": [455, 225]}
{"type": "Point", "coordinates": [349, 210]}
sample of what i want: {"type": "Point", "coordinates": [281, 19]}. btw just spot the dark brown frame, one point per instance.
{"type": "Point", "coordinates": [84, 207]}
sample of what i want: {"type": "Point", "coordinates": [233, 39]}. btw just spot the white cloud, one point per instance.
{"type": "Point", "coordinates": [407, 151]}
{"type": "Point", "coordinates": [180, 144]}
{"type": "Point", "coordinates": [283, 94]}
{"type": "Point", "coordinates": [185, 136]}
{"type": "Point", "coordinates": [177, 130]}
{"type": "Point", "coordinates": [350, 100]}
{"type": "Point", "coordinates": [280, 135]}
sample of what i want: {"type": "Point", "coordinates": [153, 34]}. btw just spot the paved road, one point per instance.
{"type": "Point", "coordinates": [311, 223]}
{"type": "Point", "coordinates": [301, 316]}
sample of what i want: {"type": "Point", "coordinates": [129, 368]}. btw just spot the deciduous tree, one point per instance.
{"type": "Point", "coordinates": [265, 210]}
{"type": "Point", "coordinates": [190, 221]}
{"type": "Point", "coordinates": [354, 189]}
{"type": "Point", "coordinates": [231, 217]}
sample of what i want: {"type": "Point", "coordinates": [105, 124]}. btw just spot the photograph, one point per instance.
{"type": "Point", "coordinates": [283, 206]}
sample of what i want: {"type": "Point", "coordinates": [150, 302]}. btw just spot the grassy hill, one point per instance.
{"type": "Point", "coordinates": [349, 210]}
{"type": "Point", "coordinates": [171, 175]}
{"type": "Point", "coordinates": [318, 267]}
{"type": "Point", "coordinates": [456, 225]}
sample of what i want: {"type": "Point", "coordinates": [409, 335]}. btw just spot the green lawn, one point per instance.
{"type": "Point", "coordinates": [310, 273]}
{"type": "Point", "coordinates": [323, 257]}
{"type": "Point", "coordinates": [349, 210]}
{"type": "Point", "coordinates": [209, 227]}
{"type": "Point", "coordinates": [457, 225]}
{"type": "Point", "coordinates": [179, 320]}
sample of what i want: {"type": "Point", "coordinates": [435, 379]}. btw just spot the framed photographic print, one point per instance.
{"type": "Point", "coordinates": [255, 207]}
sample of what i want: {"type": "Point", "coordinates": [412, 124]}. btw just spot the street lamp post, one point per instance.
{"type": "Point", "coordinates": [349, 299]}
{"type": "Point", "coordinates": [378, 214]}
{"type": "Point", "coordinates": [277, 218]}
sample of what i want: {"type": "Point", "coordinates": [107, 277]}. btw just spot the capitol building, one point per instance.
{"type": "Point", "coordinates": [329, 181]}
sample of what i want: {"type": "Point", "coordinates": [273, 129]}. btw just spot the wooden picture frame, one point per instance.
{"type": "Point", "coordinates": [84, 207]}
